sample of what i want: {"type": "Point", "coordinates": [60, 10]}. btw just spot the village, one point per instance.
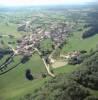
{"type": "Point", "coordinates": [29, 44]}
{"type": "Point", "coordinates": [57, 34]}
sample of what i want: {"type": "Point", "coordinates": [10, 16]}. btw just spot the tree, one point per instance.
{"type": "Point", "coordinates": [29, 75]}
{"type": "Point", "coordinates": [21, 28]}
{"type": "Point", "coordinates": [92, 21]}
{"type": "Point", "coordinates": [2, 42]}
{"type": "Point", "coordinates": [25, 59]}
{"type": "Point", "coordinates": [61, 88]}
{"type": "Point", "coordinates": [87, 75]}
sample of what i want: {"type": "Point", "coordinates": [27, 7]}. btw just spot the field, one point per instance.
{"type": "Point", "coordinates": [77, 43]}
{"type": "Point", "coordinates": [13, 84]}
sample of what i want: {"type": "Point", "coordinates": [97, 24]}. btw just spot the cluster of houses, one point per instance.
{"type": "Point", "coordinates": [70, 55]}
{"type": "Point", "coordinates": [28, 42]}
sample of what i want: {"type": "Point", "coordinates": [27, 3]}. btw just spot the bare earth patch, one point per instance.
{"type": "Point", "coordinates": [59, 63]}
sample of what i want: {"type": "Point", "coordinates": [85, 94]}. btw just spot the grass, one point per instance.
{"type": "Point", "coordinates": [77, 43]}
{"type": "Point", "coordinates": [65, 69]}
{"type": "Point", "coordinates": [14, 92]}
{"type": "Point", "coordinates": [11, 29]}
{"type": "Point", "coordinates": [3, 59]}
{"type": "Point", "coordinates": [14, 85]}
{"type": "Point", "coordinates": [14, 82]}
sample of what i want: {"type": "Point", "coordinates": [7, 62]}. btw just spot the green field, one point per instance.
{"type": "Point", "coordinates": [77, 43]}
{"type": "Point", "coordinates": [13, 84]}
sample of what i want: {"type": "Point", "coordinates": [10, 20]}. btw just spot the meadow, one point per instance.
{"type": "Point", "coordinates": [13, 84]}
